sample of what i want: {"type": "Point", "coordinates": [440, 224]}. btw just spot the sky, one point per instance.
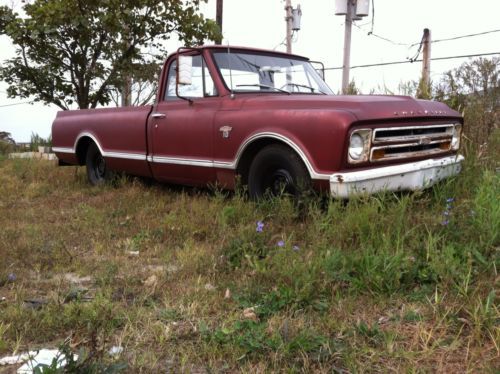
{"type": "Point", "coordinates": [261, 24]}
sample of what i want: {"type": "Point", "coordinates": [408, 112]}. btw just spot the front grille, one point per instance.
{"type": "Point", "coordinates": [407, 142]}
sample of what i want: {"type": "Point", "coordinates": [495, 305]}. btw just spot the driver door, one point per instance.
{"type": "Point", "coordinates": [182, 131]}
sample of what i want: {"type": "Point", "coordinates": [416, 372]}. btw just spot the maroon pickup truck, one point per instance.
{"type": "Point", "coordinates": [268, 117]}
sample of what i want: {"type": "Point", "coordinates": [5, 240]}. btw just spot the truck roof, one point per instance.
{"type": "Point", "coordinates": [250, 49]}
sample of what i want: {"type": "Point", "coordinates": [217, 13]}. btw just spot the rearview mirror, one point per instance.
{"type": "Point", "coordinates": [184, 70]}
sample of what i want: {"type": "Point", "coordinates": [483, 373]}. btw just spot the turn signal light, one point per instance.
{"type": "Point", "coordinates": [378, 154]}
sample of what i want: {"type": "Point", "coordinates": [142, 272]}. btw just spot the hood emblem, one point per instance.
{"type": "Point", "coordinates": [225, 130]}
{"type": "Point", "coordinates": [413, 113]}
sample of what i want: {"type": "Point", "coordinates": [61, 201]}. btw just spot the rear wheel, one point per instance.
{"type": "Point", "coordinates": [277, 171]}
{"type": "Point", "coordinates": [97, 170]}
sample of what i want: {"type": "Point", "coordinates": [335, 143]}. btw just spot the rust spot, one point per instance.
{"type": "Point", "coordinates": [340, 179]}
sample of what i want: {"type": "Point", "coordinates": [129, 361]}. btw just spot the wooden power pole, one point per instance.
{"type": "Point", "coordinates": [426, 58]}
{"type": "Point", "coordinates": [288, 19]}
{"type": "Point", "coordinates": [218, 19]}
{"type": "Point", "coordinates": [346, 66]}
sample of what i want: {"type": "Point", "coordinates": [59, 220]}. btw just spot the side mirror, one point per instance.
{"type": "Point", "coordinates": [184, 70]}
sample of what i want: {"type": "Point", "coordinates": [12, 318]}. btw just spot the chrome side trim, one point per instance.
{"type": "Point", "coordinates": [62, 150]}
{"type": "Point", "coordinates": [182, 161]}
{"type": "Point", "coordinates": [128, 156]}
{"type": "Point", "coordinates": [231, 165]}
{"type": "Point", "coordinates": [190, 162]}
{"type": "Point", "coordinates": [224, 165]}
{"type": "Point", "coordinates": [91, 136]}
{"type": "Point", "coordinates": [110, 154]}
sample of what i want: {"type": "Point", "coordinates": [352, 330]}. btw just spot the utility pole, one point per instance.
{"type": "Point", "coordinates": [346, 66]}
{"type": "Point", "coordinates": [288, 19]}
{"type": "Point", "coordinates": [353, 10]}
{"type": "Point", "coordinates": [426, 58]}
{"type": "Point", "coordinates": [218, 19]}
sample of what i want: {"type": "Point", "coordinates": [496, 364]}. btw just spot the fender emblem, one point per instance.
{"type": "Point", "coordinates": [225, 130]}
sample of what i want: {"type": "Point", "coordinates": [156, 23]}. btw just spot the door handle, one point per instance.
{"type": "Point", "coordinates": [158, 115]}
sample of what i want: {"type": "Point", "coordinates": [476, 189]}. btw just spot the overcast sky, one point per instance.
{"type": "Point", "coordinates": [260, 23]}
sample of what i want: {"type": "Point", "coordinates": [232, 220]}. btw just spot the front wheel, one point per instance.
{"type": "Point", "coordinates": [277, 171]}
{"type": "Point", "coordinates": [97, 171]}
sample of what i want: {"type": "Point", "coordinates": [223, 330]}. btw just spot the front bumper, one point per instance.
{"type": "Point", "coordinates": [412, 176]}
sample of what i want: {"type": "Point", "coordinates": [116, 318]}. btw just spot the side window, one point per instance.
{"type": "Point", "coordinates": [202, 84]}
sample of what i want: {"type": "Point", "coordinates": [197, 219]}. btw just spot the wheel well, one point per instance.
{"type": "Point", "coordinates": [81, 149]}
{"type": "Point", "coordinates": [251, 151]}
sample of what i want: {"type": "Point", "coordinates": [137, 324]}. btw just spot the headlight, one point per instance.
{"type": "Point", "coordinates": [455, 136]}
{"type": "Point", "coordinates": [359, 146]}
{"type": "Point", "coordinates": [356, 147]}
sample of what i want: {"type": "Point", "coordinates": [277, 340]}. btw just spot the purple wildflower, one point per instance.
{"type": "Point", "coordinates": [445, 222]}
{"type": "Point", "coordinates": [281, 243]}
{"type": "Point", "coordinates": [450, 200]}
{"type": "Point", "coordinates": [11, 277]}
{"type": "Point", "coordinates": [296, 248]}
{"type": "Point", "coordinates": [260, 226]}
{"type": "Point", "coordinates": [446, 213]}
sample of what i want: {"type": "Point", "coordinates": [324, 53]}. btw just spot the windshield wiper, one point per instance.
{"type": "Point", "coordinates": [264, 86]}
{"type": "Point", "coordinates": [313, 90]}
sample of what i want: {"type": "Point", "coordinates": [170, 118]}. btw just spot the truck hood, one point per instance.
{"type": "Point", "coordinates": [363, 107]}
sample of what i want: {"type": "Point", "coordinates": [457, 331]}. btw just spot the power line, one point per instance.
{"type": "Point", "coordinates": [24, 102]}
{"type": "Point", "coordinates": [410, 45]}
{"type": "Point", "coordinates": [372, 22]}
{"type": "Point", "coordinates": [381, 37]}
{"type": "Point", "coordinates": [411, 61]}
{"type": "Point", "coordinates": [417, 54]}
{"type": "Point", "coordinates": [387, 40]}
{"type": "Point", "coordinates": [461, 37]}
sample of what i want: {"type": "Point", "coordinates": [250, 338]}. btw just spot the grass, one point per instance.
{"type": "Point", "coordinates": [184, 281]}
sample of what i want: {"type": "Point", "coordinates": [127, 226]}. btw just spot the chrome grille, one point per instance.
{"type": "Point", "coordinates": [413, 141]}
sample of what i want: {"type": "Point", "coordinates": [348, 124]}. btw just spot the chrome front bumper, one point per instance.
{"type": "Point", "coordinates": [412, 176]}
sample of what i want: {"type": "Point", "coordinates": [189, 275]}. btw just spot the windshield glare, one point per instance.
{"type": "Point", "coordinates": [246, 72]}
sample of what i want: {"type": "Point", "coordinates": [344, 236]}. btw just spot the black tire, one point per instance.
{"type": "Point", "coordinates": [97, 170]}
{"type": "Point", "coordinates": [277, 170]}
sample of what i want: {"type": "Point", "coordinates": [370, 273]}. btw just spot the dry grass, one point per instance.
{"type": "Point", "coordinates": [377, 285]}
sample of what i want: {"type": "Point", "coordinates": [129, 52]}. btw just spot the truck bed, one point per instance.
{"type": "Point", "coordinates": [120, 134]}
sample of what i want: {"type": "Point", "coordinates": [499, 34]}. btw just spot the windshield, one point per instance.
{"type": "Point", "coordinates": [247, 72]}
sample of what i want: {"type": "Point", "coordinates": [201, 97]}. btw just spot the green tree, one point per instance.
{"type": "Point", "coordinates": [78, 51]}
{"type": "Point", "coordinates": [7, 143]}
{"type": "Point", "coordinates": [6, 137]}
{"type": "Point", "coordinates": [474, 89]}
